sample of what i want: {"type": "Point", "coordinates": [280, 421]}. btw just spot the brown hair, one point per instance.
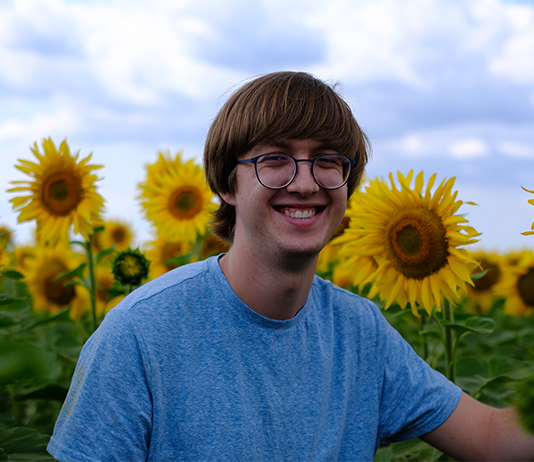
{"type": "Point", "coordinates": [290, 105]}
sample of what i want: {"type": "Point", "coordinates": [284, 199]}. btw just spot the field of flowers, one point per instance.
{"type": "Point", "coordinates": [403, 243]}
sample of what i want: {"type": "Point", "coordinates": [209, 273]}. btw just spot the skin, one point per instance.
{"type": "Point", "coordinates": [271, 266]}
{"type": "Point", "coordinates": [475, 431]}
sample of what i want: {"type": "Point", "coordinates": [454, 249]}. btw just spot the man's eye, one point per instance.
{"type": "Point", "coordinates": [275, 157]}
{"type": "Point", "coordinates": [330, 160]}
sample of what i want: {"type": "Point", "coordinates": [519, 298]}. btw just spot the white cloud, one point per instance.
{"type": "Point", "coordinates": [468, 148]}
{"type": "Point", "coordinates": [513, 59]}
{"type": "Point", "coordinates": [422, 43]}
{"type": "Point", "coordinates": [63, 121]}
{"type": "Point", "coordinates": [515, 149]}
{"type": "Point", "coordinates": [409, 145]}
{"type": "Point", "coordinates": [134, 51]}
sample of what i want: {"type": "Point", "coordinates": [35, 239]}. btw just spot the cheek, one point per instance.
{"type": "Point", "coordinates": [339, 198]}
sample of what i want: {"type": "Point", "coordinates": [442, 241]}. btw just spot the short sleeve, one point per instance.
{"type": "Point", "coordinates": [415, 398]}
{"type": "Point", "coordinates": [107, 414]}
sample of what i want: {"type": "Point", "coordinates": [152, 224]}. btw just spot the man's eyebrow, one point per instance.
{"type": "Point", "coordinates": [276, 143]}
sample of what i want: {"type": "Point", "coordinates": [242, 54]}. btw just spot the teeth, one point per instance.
{"type": "Point", "coordinates": [300, 214]}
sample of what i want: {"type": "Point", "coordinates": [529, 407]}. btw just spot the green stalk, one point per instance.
{"type": "Point", "coordinates": [450, 350]}
{"type": "Point", "coordinates": [423, 337]}
{"type": "Point", "coordinates": [92, 279]}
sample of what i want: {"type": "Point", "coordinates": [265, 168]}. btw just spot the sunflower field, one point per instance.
{"type": "Point", "coordinates": [403, 243]}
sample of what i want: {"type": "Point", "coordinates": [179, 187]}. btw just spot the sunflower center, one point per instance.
{"type": "Point", "coordinates": [490, 278]}
{"type": "Point", "coordinates": [525, 287]}
{"type": "Point", "coordinates": [118, 235]}
{"type": "Point", "coordinates": [61, 192]}
{"type": "Point", "coordinates": [57, 292]}
{"type": "Point", "coordinates": [130, 265]}
{"type": "Point", "coordinates": [416, 242]}
{"type": "Point", "coordinates": [185, 203]}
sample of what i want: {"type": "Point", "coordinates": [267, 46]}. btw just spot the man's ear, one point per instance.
{"type": "Point", "coordinates": [229, 198]}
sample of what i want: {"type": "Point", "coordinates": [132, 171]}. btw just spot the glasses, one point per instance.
{"type": "Point", "coordinates": [277, 170]}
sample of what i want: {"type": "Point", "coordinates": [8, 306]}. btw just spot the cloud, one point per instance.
{"type": "Point", "coordinates": [266, 40]}
{"type": "Point", "coordinates": [515, 149]}
{"type": "Point", "coordinates": [63, 121]}
{"type": "Point", "coordinates": [468, 148]}
{"type": "Point", "coordinates": [428, 64]}
{"type": "Point", "coordinates": [514, 58]}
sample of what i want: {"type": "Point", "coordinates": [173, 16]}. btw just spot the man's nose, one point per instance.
{"type": "Point", "coordinates": [304, 182]}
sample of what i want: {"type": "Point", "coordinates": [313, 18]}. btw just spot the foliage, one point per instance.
{"type": "Point", "coordinates": [38, 354]}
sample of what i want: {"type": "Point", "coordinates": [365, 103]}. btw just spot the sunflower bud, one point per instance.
{"type": "Point", "coordinates": [130, 267]}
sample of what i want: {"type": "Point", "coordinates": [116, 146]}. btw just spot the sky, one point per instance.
{"type": "Point", "coordinates": [442, 86]}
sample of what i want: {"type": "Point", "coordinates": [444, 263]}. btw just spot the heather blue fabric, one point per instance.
{"type": "Point", "coordinates": [182, 369]}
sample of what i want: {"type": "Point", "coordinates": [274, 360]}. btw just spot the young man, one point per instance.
{"type": "Point", "coordinates": [249, 355]}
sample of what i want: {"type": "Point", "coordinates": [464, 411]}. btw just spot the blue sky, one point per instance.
{"type": "Point", "coordinates": [444, 86]}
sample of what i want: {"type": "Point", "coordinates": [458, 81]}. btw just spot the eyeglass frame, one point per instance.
{"type": "Point", "coordinates": [254, 160]}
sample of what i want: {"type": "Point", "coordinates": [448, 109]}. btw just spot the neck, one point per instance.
{"type": "Point", "coordinates": [274, 289]}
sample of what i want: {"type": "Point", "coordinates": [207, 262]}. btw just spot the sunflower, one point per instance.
{"type": "Point", "coordinates": [517, 286]}
{"type": "Point", "coordinates": [328, 257]}
{"type": "Point", "coordinates": [116, 232]}
{"type": "Point", "coordinates": [413, 237]}
{"type": "Point", "coordinates": [530, 201]}
{"type": "Point", "coordinates": [481, 294]}
{"type": "Point", "coordinates": [165, 163]}
{"type": "Point", "coordinates": [161, 252]}
{"type": "Point", "coordinates": [62, 193]}
{"type": "Point", "coordinates": [130, 267]}
{"type": "Point", "coordinates": [52, 294]}
{"type": "Point", "coordinates": [24, 257]}
{"type": "Point", "coordinates": [176, 198]}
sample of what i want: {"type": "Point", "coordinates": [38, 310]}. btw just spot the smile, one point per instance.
{"type": "Point", "coordinates": [300, 213]}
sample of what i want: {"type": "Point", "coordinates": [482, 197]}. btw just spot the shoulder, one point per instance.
{"type": "Point", "coordinates": [343, 302]}
{"type": "Point", "coordinates": [164, 303]}
{"type": "Point", "coordinates": [190, 278]}
{"type": "Point", "coordinates": [351, 316]}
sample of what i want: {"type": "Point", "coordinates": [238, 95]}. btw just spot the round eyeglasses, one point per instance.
{"type": "Point", "coordinates": [277, 170]}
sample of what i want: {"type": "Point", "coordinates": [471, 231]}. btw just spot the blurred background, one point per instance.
{"type": "Point", "coordinates": [443, 86]}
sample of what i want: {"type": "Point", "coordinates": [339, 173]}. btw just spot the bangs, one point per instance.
{"type": "Point", "coordinates": [299, 108]}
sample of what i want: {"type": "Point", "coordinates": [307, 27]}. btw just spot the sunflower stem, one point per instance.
{"type": "Point", "coordinates": [92, 279]}
{"type": "Point", "coordinates": [450, 350]}
{"type": "Point", "coordinates": [422, 336]}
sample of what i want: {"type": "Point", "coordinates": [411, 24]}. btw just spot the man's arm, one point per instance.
{"type": "Point", "coordinates": [475, 431]}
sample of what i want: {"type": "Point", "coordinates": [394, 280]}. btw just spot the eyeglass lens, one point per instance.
{"type": "Point", "coordinates": [278, 170]}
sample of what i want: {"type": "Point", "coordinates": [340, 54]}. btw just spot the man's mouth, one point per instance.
{"type": "Point", "coordinates": [304, 213]}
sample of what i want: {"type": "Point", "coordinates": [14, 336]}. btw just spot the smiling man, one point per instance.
{"type": "Point", "coordinates": [251, 356]}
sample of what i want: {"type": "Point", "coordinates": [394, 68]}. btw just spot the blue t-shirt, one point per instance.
{"type": "Point", "coordinates": [182, 369]}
